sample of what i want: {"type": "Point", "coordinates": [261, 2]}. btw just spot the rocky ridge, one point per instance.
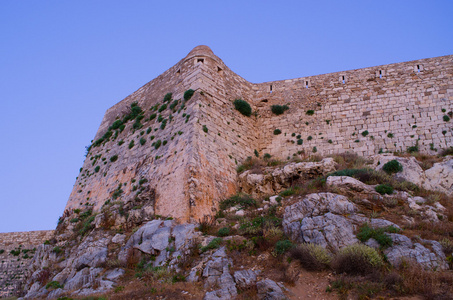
{"type": "Point", "coordinates": [97, 260]}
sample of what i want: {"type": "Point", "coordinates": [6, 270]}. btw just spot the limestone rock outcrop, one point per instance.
{"type": "Point", "coordinates": [275, 180]}
{"type": "Point", "coordinates": [437, 178]}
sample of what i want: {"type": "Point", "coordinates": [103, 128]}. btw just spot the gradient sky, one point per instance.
{"type": "Point", "coordinates": [64, 63]}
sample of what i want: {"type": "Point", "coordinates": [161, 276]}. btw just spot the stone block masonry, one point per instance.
{"type": "Point", "coordinates": [185, 153]}
{"type": "Point", "coordinates": [384, 108]}
{"type": "Point", "coordinates": [16, 253]}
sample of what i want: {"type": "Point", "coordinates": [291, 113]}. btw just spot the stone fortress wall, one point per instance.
{"type": "Point", "coordinates": [398, 105]}
{"type": "Point", "coordinates": [13, 265]}
{"type": "Point", "coordinates": [194, 167]}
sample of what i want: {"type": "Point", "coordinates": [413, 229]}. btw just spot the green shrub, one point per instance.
{"type": "Point", "coordinates": [279, 109]}
{"type": "Point", "coordinates": [310, 112]}
{"type": "Point", "coordinates": [188, 94]}
{"type": "Point", "coordinates": [315, 150]}
{"type": "Point", "coordinates": [162, 107]}
{"type": "Point", "coordinates": [243, 200]}
{"type": "Point", "coordinates": [412, 149]}
{"type": "Point", "coordinates": [97, 169]}
{"type": "Point", "coordinates": [312, 257]}
{"type": "Point", "coordinates": [87, 225]}
{"type": "Point", "coordinates": [267, 156]}
{"type": "Point", "coordinates": [57, 250]}
{"type": "Point", "coordinates": [163, 124]}
{"type": "Point", "coordinates": [114, 158]}
{"type": "Point", "coordinates": [116, 125]}
{"type": "Point", "coordinates": [288, 192]}
{"type": "Point", "coordinates": [167, 97]}
{"type": "Point", "coordinates": [53, 285]}
{"type": "Point", "coordinates": [300, 141]}
{"type": "Point", "coordinates": [330, 141]}
{"type": "Point", "coordinates": [390, 135]}
{"type": "Point", "coordinates": [256, 153]}
{"type": "Point", "coordinates": [309, 138]}
{"type": "Point", "coordinates": [384, 189]}
{"type": "Point", "coordinates": [164, 143]}
{"type": "Point", "coordinates": [214, 244]}
{"type": "Point", "coordinates": [142, 141]}
{"type": "Point", "coordinates": [157, 144]}
{"type": "Point", "coordinates": [392, 166]}
{"type": "Point", "coordinates": [366, 232]}
{"type": "Point", "coordinates": [152, 117]}
{"type": "Point", "coordinates": [205, 128]}
{"type": "Point", "coordinates": [277, 131]}
{"type": "Point", "coordinates": [224, 231]}
{"type": "Point", "coordinates": [283, 246]}
{"type": "Point", "coordinates": [446, 118]}
{"type": "Point", "coordinates": [365, 133]}
{"type": "Point", "coordinates": [357, 259]}
{"type": "Point", "coordinates": [2, 251]}
{"type": "Point", "coordinates": [243, 107]}
{"type": "Point", "coordinates": [131, 144]}
{"type": "Point", "coordinates": [173, 104]}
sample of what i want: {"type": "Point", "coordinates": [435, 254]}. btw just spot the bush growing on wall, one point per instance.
{"type": "Point", "coordinates": [279, 109]}
{"type": "Point", "coordinates": [243, 107]}
{"type": "Point", "coordinates": [188, 94]}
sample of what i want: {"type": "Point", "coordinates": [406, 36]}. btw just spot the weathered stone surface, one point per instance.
{"type": "Point", "coordinates": [440, 177]}
{"type": "Point", "coordinates": [269, 290]}
{"type": "Point", "coordinates": [319, 219]}
{"type": "Point", "coordinates": [245, 278]}
{"type": "Point", "coordinates": [404, 249]}
{"type": "Point", "coordinates": [411, 172]}
{"type": "Point", "coordinates": [279, 178]}
{"type": "Point", "coordinates": [92, 253]}
{"type": "Point", "coordinates": [350, 185]}
{"type": "Point", "coordinates": [14, 268]}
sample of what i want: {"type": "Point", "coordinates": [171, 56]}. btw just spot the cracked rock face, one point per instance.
{"type": "Point", "coordinates": [275, 180]}
{"type": "Point", "coordinates": [320, 219]}
{"type": "Point", "coordinates": [82, 273]}
{"type": "Point", "coordinates": [404, 249]}
{"type": "Point", "coordinates": [438, 178]}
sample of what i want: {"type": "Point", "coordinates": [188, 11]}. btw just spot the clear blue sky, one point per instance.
{"type": "Point", "coordinates": [63, 63]}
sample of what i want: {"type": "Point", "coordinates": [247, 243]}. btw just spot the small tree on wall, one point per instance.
{"type": "Point", "coordinates": [243, 107]}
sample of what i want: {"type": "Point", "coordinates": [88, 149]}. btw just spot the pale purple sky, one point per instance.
{"type": "Point", "coordinates": [63, 63]}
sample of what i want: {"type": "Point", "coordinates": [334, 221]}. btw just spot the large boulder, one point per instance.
{"type": "Point", "coordinates": [404, 249]}
{"type": "Point", "coordinates": [440, 177]}
{"type": "Point", "coordinates": [324, 219]}
{"type": "Point", "coordinates": [269, 290]}
{"type": "Point", "coordinates": [157, 237]}
{"type": "Point", "coordinates": [274, 180]}
{"type": "Point", "coordinates": [411, 172]}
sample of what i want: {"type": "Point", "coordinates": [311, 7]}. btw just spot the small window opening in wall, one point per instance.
{"type": "Point", "coordinates": [418, 68]}
{"type": "Point", "coordinates": [306, 84]}
{"type": "Point", "coordinates": [380, 73]}
{"type": "Point", "coordinates": [270, 88]}
{"type": "Point", "coordinates": [342, 78]}
{"type": "Point", "coordinates": [178, 72]}
{"type": "Point", "coordinates": [200, 60]}
{"type": "Point", "coordinates": [219, 70]}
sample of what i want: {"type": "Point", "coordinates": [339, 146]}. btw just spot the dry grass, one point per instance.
{"type": "Point", "coordinates": [418, 281]}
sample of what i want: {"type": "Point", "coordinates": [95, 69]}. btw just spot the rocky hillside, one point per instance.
{"type": "Point", "coordinates": [326, 228]}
